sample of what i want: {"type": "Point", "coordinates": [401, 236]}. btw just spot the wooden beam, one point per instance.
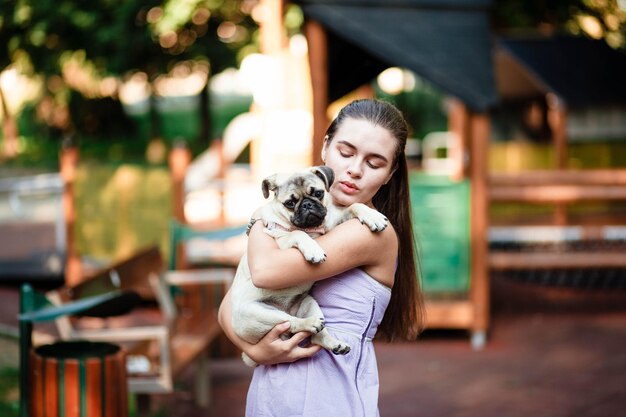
{"type": "Point", "coordinates": [561, 176]}
{"type": "Point", "coordinates": [272, 37]}
{"type": "Point", "coordinates": [458, 123]}
{"type": "Point", "coordinates": [318, 61]}
{"type": "Point", "coordinates": [543, 194]}
{"type": "Point", "coordinates": [449, 314]}
{"type": "Point", "coordinates": [565, 260]}
{"type": "Point", "coordinates": [557, 119]}
{"type": "Point", "coordinates": [539, 233]}
{"type": "Point", "coordinates": [68, 161]}
{"type": "Point", "coordinates": [479, 196]}
{"type": "Point", "coordinates": [179, 160]}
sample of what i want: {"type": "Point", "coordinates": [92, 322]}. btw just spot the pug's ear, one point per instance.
{"type": "Point", "coordinates": [326, 174]}
{"type": "Point", "coordinates": [269, 184]}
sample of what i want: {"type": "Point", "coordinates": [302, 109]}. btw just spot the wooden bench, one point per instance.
{"type": "Point", "coordinates": [171, 326]}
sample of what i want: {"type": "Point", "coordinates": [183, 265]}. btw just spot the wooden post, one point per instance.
{"type": "Point", "coordinates": [557, 119]}
{"type": "Point", "coordinates": [458, 124]}
{"type": "Point", "coordinates": [219, 146]}
{"type": "Point", "coordinates": [68, 161]}
{"type": "Point", "coordinates": [9, 130]}
{"type": "Point", "coordinates": [179, 160]}
{"type": "Point", "coordinates": [271, 27]}
{"type": "Point", "coordinates": [318, 61]}
{"type": "Point", "coordinates": [479, 290]}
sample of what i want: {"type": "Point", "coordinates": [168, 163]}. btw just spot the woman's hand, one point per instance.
{"type": "Point", "coordinates": [271, 349]}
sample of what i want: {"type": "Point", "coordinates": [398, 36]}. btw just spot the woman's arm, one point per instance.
{"type": "Point", "coordinates": [271, 349]}
{"type": "Point", "coordinates": [347, 246]}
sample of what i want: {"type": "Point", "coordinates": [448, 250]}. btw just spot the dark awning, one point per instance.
{"type": "Point", "coordinates": [581, 71]}
{"type": "Point", "coordinates": [445, 42]}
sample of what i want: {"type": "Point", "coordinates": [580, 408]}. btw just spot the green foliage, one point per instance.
{"type": "Point", "coordinates": [115, 38]}
{"type": "Point", "coordinates": [422, 108]}
{"type": "Point", "coordinates": [599, 19]}
{"type": "Point", "coordinates": [9, 398]}
{"type": "Point", "coordinates": [121, 208]}
{"type": "Point", "coordinates": [119, 35]}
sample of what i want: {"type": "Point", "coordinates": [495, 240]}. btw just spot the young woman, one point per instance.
{"type": "Point", "coordinates": [368, 284]}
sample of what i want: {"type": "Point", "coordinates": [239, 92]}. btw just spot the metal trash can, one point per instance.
{"type": "Point", "coordinates": [78, 379]}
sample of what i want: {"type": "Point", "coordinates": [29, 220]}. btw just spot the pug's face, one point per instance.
{"type": "Point", "coordinates": [301, 198]}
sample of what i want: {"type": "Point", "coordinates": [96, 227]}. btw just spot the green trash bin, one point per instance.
{"type": "Point", "coordinates": [441, 224]}
{"type": "Point", "coordinates": [78, 379]}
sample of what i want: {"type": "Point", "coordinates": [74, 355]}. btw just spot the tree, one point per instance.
{"type": "Point", "coordinates": [114, 37]}
{"type": "Point", "coordinates": [599, 19]}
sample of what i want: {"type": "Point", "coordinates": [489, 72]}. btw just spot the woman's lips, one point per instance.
{"type": "Point", "coordinates": [348, 187]}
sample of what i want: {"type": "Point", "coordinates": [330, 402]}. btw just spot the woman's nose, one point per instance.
{"type": "Point", "coordinates": [354, 169]}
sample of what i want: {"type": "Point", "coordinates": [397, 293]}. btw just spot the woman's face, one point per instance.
{"type": "Point", "coordinates": [361, 156]}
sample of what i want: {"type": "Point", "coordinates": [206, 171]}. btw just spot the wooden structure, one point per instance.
{"type": "Point", "coordinates": [68, 161]}
{"type": "Point", "coordinates": [547, 73]}
{"type": "Point", "coordinates": [468, 117]}
{"type": "Point", "coordinates": [350, 42]}
{"type": "Point", "coordinates": [559, 187]}
{"type": "Point", "coordinates": [471, 311]}
{"type": "Point", "coordinates": [162, 335]}
{"type": "Point", "coordinates": [166, 315]}
{"type": "Point", "coordinates": [179, 160]}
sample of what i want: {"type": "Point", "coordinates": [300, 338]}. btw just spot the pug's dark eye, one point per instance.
{"type": "Point", "coordinates": [318, 194]}
{"type": "Point", "coordinates": [289, 204]}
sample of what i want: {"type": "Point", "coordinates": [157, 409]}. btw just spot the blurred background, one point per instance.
{"type": "Point", "coordinates": [124, 81]}
{"type": "Point", "coordinates": [517, 114]}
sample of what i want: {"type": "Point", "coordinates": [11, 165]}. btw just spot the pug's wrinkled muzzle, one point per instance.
{"type": "Point", "coordinates": [310, 213]}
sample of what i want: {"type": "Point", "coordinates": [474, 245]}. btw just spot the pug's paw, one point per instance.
{"type": "Point", "coordinates": [376, 221]}
{"type": "Point", "coordinates": [340, 348]}
{"type": "Point", "coordinates": [312, 251]}
{"type": "Point", "coordinates": [313, 325]}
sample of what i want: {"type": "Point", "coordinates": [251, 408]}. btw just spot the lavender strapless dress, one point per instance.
{"type": "Point", "coordinates": [328, 385]}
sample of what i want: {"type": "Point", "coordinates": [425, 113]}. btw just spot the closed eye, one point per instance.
{"type": "Point", "coordinates": [373, 165]}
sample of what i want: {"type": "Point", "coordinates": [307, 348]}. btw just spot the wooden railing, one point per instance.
{"type": "Point", "coordinates": [560, 187]}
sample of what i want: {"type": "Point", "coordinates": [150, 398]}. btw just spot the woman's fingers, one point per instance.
{"type": "Point", "coordinates": [305, 352]}
{"type": "Point", "coordinates": [299, 352]}
{"type": "Point", "coordinates": [298, 338]}
{"type": "Point", "coordinates": [277, 331]}
{"type": "Point", "coordinates": [273, 349]}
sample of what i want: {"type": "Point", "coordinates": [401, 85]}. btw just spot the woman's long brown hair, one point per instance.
{"type": "Point", "coordinates": [404, 317]}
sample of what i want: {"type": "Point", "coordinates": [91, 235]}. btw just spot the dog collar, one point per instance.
{"type": "Point", "coordinates": [319, 229]}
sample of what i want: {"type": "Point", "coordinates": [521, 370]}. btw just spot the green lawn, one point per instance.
{"type": "Point", "coordinates": [9, 392]}
{"type": "Point", "coordinates": [121, 208]}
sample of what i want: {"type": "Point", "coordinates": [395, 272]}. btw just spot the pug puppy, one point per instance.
{"type": "Point", "coordinates": [301, 210]}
